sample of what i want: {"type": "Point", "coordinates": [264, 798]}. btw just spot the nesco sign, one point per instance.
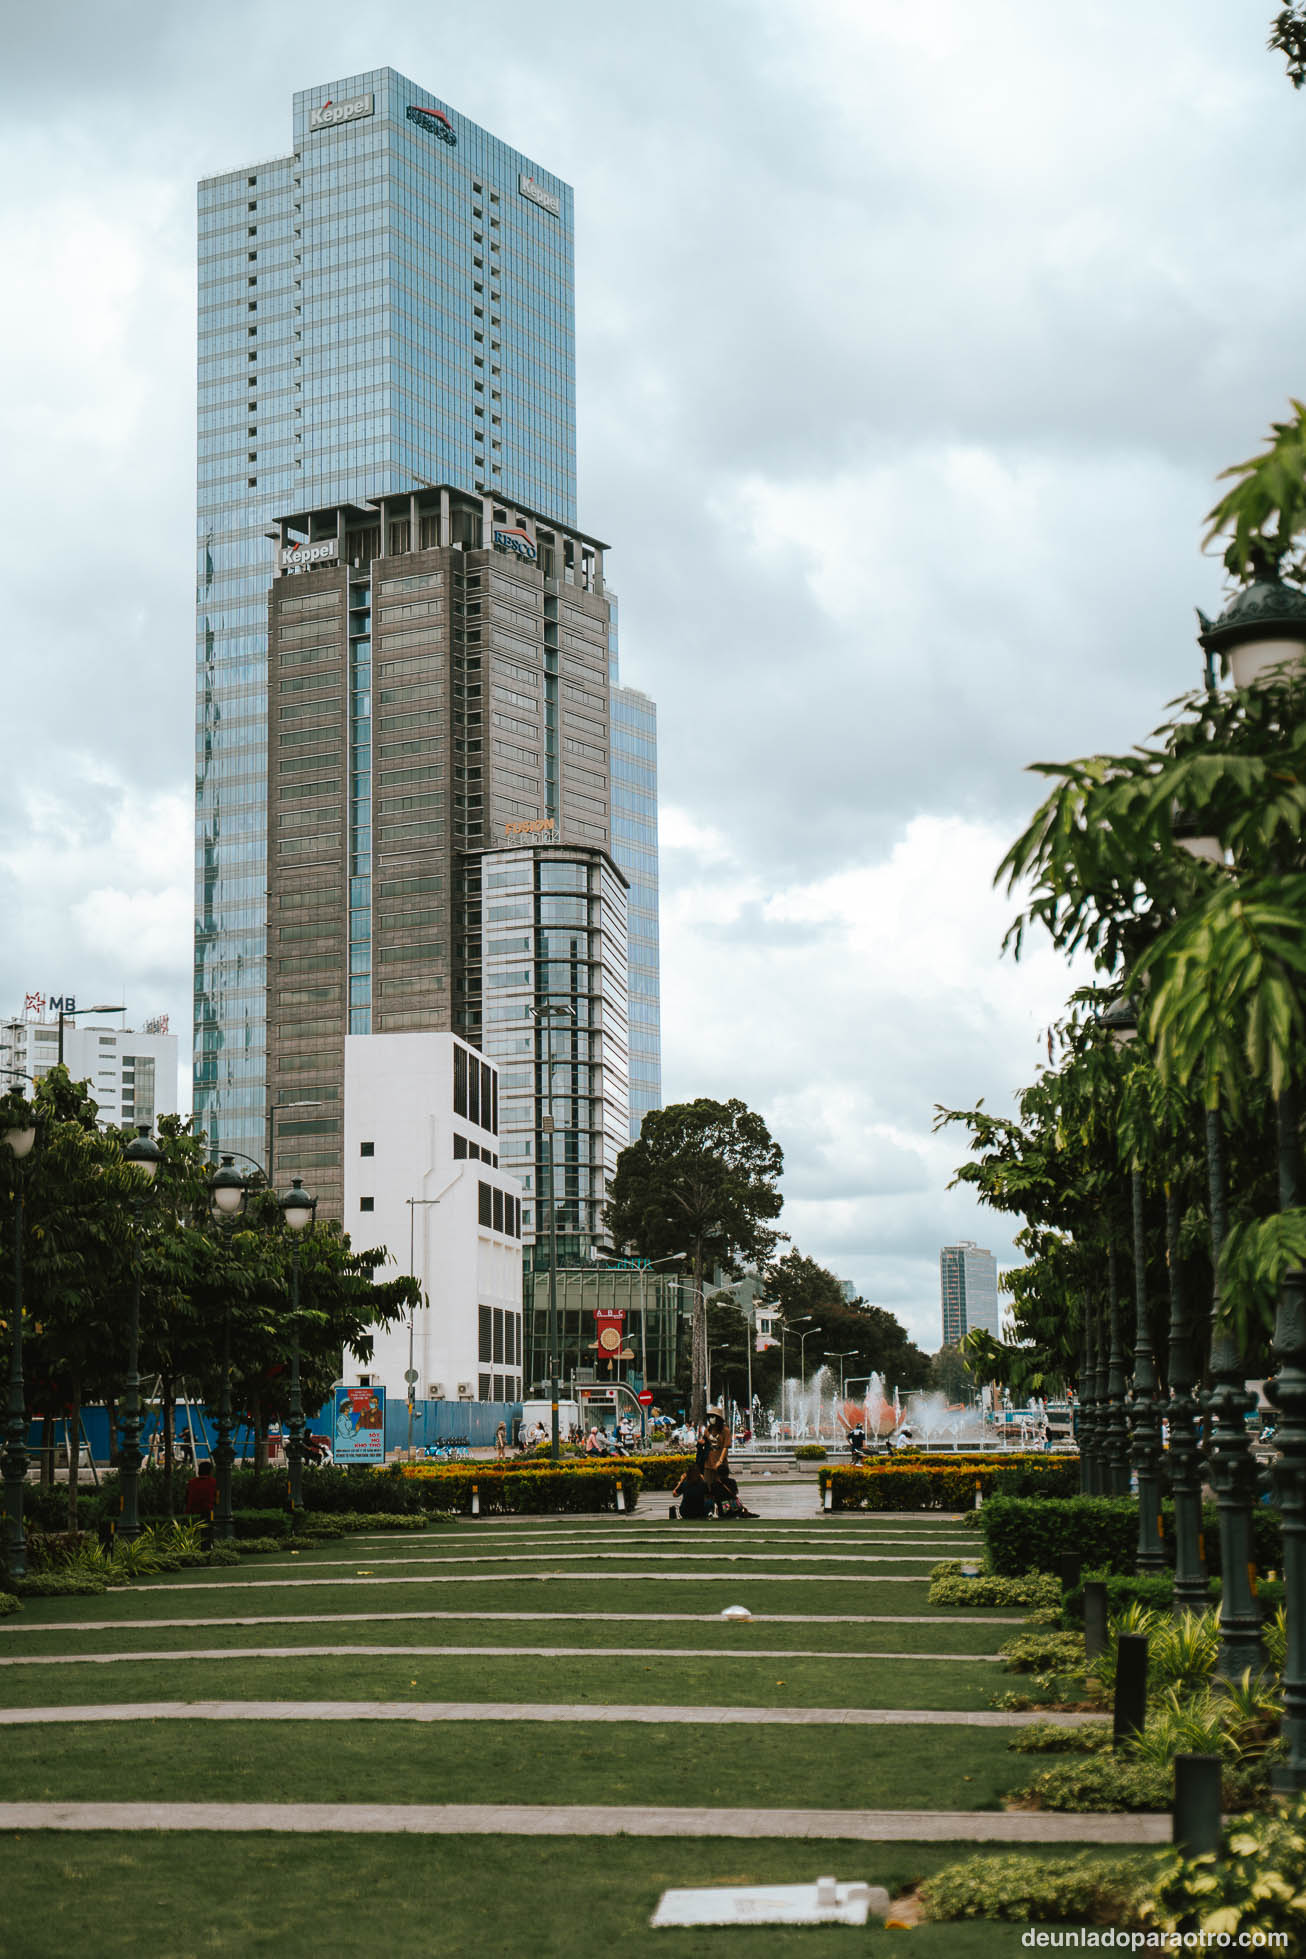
{"type": "Point", "coordinates": [332, 113]}
{"type": "Point", "coordinates": [434, 121]}
{"type": "Point", "coordinates": [296, 556]}
{"type": "Point", "coordinates": [516, 541]}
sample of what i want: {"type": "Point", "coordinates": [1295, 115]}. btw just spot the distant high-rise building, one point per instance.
{"type": "Point", "coordinates": [387, 394]}
{"type": "Point", "coordinates": [968, 1286]}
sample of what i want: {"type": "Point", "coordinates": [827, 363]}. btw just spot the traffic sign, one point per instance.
{"type": "Point", "coordinates": [646, 1397]}
{"type": "Point", "coordinates": [410, 1375]}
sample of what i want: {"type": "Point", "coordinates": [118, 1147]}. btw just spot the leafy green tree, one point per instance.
{"type": "Point", "coordinates": [951, 1374]}
{"type": "Point", "coordinates": [1288, 36]}
{"type": "Point", "coordinates": [702, 1180]}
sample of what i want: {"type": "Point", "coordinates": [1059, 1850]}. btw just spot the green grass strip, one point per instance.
{"type": "Point", "coordinates": [944, 1634]}
{"type": "Point", "coordinates": [618, 1763]}
{"type": "Point", "coordinates": [276, 1897]}
{"type": "Point", "coordinates": [600, 1679]}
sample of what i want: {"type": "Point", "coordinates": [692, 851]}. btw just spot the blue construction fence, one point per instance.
{"type": "Point", "coordinates": [471, 1423]}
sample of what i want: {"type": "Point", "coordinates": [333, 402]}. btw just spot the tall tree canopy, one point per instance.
{"type": "Point", "coordinates": [700, 1180]}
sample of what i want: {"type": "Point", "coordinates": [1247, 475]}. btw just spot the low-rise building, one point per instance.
{"type": "Point", "coordinates": [422, 1178]}
{"type": "Point", "coordinates": [132, 1073]}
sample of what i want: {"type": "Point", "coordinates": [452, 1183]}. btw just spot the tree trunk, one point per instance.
{"type": "Point", "coordinates": [167, 1400]}
{"type": "Point", "coordinates": [698, 1351]}
{"type": "Point", "coordinates": [73, 1432]}
{"type": "Point", "coordinates": [260, 1435]}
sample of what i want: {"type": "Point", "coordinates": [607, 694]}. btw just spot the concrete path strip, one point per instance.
{"type": "Point", "coordinates": [11, 1626]}
{"type": "Point", "coordinates": [571, 1712]}
{"type": "Point", "coordinates": [520, 1577]}
{"type": "Point", "coordinates": [482, 1652]}
{"type": "Point", "coordinates": [820, 1559]}
{"type": "Point", "coordinates": [502, 1819]}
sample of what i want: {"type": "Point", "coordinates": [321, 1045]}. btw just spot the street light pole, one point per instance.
{"type": "Point", "coordinates": [227, 1195]}
{"type": "Point", "coordinates": [1121, 1023]}
{"type": "Point", "coordinates": [71, 1013]}
{"type": "Point", "coordinates": [20, 1141]}
{"type": "Point", "coordinates": [144, 1156]}
{"type": "Point", "coordinates": [410, 1380]}
{"type": "Point", "coordinates": [546, 1013]}
{"type": "Point", "coordinates": [298, 1207]}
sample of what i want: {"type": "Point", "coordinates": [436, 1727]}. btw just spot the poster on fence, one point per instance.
{"type": "Point", "coordinates": [359, 1427]}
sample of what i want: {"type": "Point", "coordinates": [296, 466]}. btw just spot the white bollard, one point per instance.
{"type": "Point", "coordinates": [621, 1495]}
{"type": "Point", "coordinates": [829, 1497]}
{"type": "Point", "coordinates": [476, 1500]}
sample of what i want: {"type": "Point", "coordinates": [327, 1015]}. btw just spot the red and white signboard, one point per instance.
{"type": "Point", "coordinates": [645, 1397]}
{"type": "Point", "coordinates": [609, 1326]}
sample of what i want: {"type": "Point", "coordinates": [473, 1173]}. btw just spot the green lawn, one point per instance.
{"type": "Point", "coordinates": [208, 1596]}
{"type": "Point", "coordinates": [435, 1676]}
{"type": "Point", "coordinates": [175, 1897]}
{"type": "Point", "coordinates": [499, 1761]}
{"type": "Point", "coordinates": [113, 1896]}
{"type": "Point", "coordinates": [25, 1634]}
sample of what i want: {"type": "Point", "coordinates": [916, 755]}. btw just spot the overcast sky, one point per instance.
{"type": "Point", "coordinates": [911, 338]}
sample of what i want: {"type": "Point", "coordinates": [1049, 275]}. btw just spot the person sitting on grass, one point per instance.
{"type": "Point", "coordinates": [695, 1499]}
{"type": "Point", "coordinates": [202, 1491]}
{"type": "Point", "coordinates": [722, 1487]}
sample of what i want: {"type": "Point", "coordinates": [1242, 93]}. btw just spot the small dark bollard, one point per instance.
{"type": "Point", "coordinates": [1196, 1804]}
{"type": "Point", "coordinates": [1131, 1688]}
{"type": "Point", "coordinates": [1071, 1567]}
{"type": "Point", "coordinates": [1095, 1639]}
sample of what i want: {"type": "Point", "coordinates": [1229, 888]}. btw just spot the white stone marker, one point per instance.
{"type": "Point", "coordinates": [824, 1903]}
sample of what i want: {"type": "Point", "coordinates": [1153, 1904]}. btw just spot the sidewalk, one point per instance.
{"type": "Point", "coordinates": [481, 1819]}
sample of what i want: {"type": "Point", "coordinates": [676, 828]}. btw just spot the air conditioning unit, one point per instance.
{"type": "Point", "coordinates": [466, 1391]}
{"type": "Point", "coordinates": [435, 1392]}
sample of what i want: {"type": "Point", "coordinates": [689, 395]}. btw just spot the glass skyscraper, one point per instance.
{"type": "Point", "coordinates": [968, 1291]}
{"type": "Point", "coordinates": [390, 303]}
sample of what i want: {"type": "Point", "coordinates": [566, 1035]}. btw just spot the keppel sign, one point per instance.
{"type": "Point", "coordinates": [541, 826]}
{"type": "Point", "coordinates": [332, 112]}
{"type": "Point", "coordinates": [517, 541]}
{"type": "Point", "coordinates": [546, 199]}
{"type": "Point", "coordinates": [294, 557]}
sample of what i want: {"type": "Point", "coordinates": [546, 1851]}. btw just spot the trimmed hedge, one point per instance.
{"type": "Point", "coordinates": [934, 1483]}
{"type": "Point", "coordinates": [503, 1491]}
{"type": "Point", "coordinates": [1024, 1533]}
{"type": "Point", "coordinates": [8, 1604]}
{"type": "Point", "coordinates": [1087, 1889]}
{"type": "Point", "coordinates": [1156, 1591]}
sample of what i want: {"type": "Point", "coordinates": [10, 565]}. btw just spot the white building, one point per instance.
{"type": "Point", "coordinates": [422, 1177]}
{"type": "Point", "coordinates": [132, 1075]}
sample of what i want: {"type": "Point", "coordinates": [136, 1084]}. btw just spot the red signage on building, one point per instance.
{"type": "Point", "coordinates": [609, 1326]}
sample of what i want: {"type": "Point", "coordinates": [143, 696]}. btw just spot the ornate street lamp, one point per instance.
{"type": "Point", "coordinates": [1261, 630]}
{"type": "Point", "coordinates": [1226, 1406]}
{"type": "Point", "coordinates": [1121, 1023]}
{"type": "Point", "coordinates": [19, 1140]}
{"type": "Point", "coordinates": [298, 1207]}
{"type": "Point", "coordinates": [1117, 1423]}
{"type": "Point", "coordinates": [144, 1156]}
{"type": "Point", "coordinates": [227, 1195]}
